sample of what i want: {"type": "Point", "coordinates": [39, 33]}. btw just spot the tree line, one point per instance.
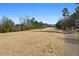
{"type": "Point", "coordinates": [67, 22]}
{"type": "Point", "coordinates": [7, 25]}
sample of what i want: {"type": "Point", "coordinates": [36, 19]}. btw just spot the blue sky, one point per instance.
{"type": "Point", "coordinates": [46, 12]}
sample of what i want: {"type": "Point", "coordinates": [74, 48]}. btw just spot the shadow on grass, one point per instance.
{"type": "Point", "coordinates": [53, 32]}
{"type": "Point", "coordinates": [71, 45]}
{"type": "Point", "coordinates": [72, 40]}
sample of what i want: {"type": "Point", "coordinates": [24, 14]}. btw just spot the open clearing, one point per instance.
{"type": "Point", "coordinates": [32, 42]}
{"type": "Point", "coordinates": [48, 41]}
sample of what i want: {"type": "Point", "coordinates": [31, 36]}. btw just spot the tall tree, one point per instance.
{"type": "Point", "coordinates": [65, 12]}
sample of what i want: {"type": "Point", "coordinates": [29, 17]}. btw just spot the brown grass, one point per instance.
{"type": "Point", "coordinates": [32, 42]}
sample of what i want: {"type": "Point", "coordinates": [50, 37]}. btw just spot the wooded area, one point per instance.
{"type": "Point", "coordinates": [7, 25]}
{"type": "Point", "coordinates": [68, 20]}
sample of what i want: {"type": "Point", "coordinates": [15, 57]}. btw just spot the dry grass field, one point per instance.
{"type": "Point", "coordinates": [32, 42]}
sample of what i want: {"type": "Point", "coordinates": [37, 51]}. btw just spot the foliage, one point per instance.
{"type": "Point", "coordinates": [7, 25]}
{"type": "Point", "coordinates": [68, 21]}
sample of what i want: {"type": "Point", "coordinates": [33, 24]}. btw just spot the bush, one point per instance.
{"type": "Point", "coordinates": [7, 25]}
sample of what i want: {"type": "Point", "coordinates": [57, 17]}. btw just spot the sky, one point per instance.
{"type": "Point", "coordinates": [45, 12]}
